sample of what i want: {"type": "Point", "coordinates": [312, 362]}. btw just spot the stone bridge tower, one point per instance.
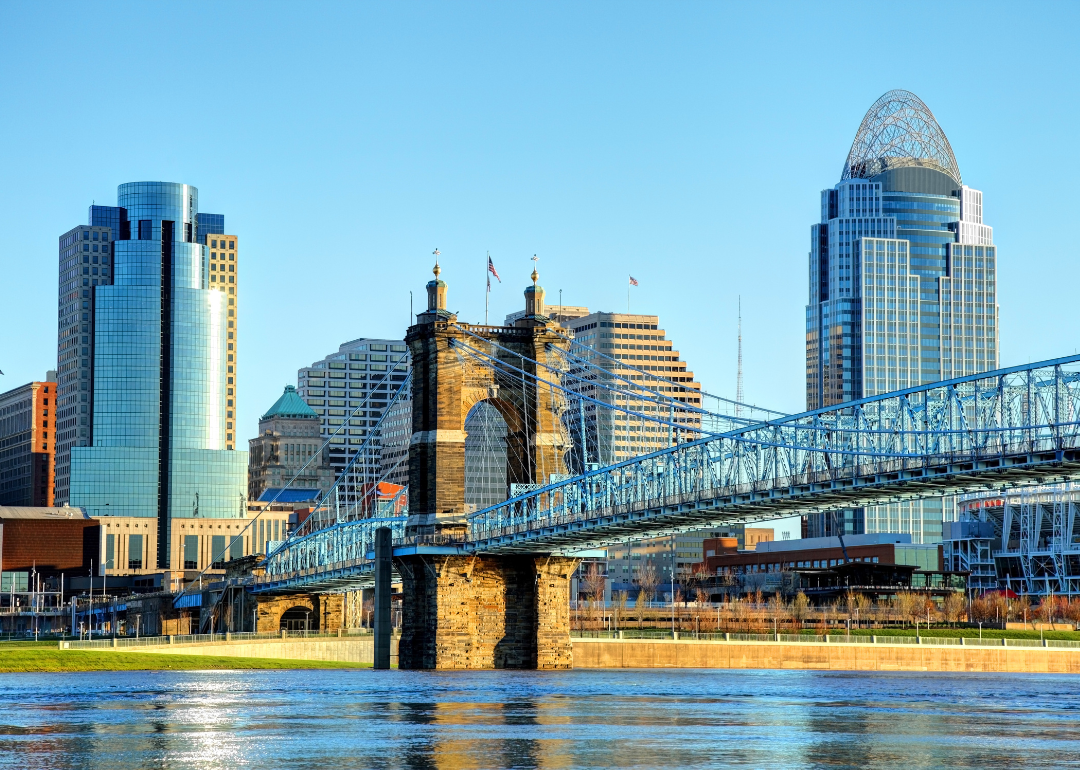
{"type": "Point", "coordinates": [447, 384]}
{"type": "Point", "coordinates": [480, 611]}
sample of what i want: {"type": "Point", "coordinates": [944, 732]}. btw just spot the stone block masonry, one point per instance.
{"type": "Point", "coordinates": [485, 612]}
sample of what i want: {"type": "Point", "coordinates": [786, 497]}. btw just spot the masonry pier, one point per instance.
{"type": "Point", "coordinates": [485, 612]}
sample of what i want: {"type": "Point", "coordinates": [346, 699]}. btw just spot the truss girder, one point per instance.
{"type": "Point", "coordinates": [1005, 428]}
{"type": "Point", "coordinates": [1001, 429]}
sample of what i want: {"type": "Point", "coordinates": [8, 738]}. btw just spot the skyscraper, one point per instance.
{"type": "Point", "coordinates": [638, 342]}
{"type": "Point", "coordinates": [155, 440]}
{"type": "Point", "coordinates": [224, 251]}
{"type": "Point", "coordinates": [902, 282]}
{"type": "Point", "coordinates": [338, 384]}
{"type": "Point", "coordinates": [86, 262]}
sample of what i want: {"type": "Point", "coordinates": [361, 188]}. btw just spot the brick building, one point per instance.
{"type": "Point", "coordinates": [48, 541]}
{"type": "Point", "coordinates": [27, 441]}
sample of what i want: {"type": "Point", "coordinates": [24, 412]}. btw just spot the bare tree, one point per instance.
{"type": "Point", "coordinates": [593, 582]}
{"type": "Point", "coordinates": [621, 598]}
{"type": "Point", "coordinates": [778, 611]}
{"type": "Point", "coordinates": [863, 607]}
{"type": "Point", "coordinates": [1072, 611]}
{"type": "Point", "coordinates": [1022, 608]}
{"type": "Point", "coordinates": [953, 607]}
{"type": "Point", "coordinates": [800, 608]}
{"type": "Point", "coordinates": [982, 610]}
{"type": "Point", "coordinates": [648, 579]}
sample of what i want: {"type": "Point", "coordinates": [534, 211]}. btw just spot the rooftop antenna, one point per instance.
{"type": "Point", "coordinates": [738, 376]}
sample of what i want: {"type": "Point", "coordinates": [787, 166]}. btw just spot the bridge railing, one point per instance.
{"type": "Point", "coordinates": [343, 546]}
{"type": "Point", "coordinates": [1032, 409]}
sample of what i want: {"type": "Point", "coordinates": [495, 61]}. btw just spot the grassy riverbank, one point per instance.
{"type": "Point", "coordinates": [30, 658]}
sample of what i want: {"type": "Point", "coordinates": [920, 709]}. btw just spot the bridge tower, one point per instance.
{"type": "Point", "coordinates": [480, 611]}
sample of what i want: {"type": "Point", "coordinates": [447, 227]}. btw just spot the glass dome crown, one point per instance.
{"type": "Point", "coordinates": [899, 130]}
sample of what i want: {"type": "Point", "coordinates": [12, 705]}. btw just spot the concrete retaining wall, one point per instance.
{"type": "Point", "coordinates": [345, 650]}
{"type": "Point", "coordinates": [648, 653]}
{"type": "Point", "coordinates": [665, 653]}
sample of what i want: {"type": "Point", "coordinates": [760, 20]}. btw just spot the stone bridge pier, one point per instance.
{"type": "Point", "coordinates": [479, 611]}
{"type": "Point", "coordinates": [485, 612]}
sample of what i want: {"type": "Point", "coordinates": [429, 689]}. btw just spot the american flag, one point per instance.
{"type": "Point", "coordinates": [492, 270]}
{"type": "Point", "coordinates": [633, 281]}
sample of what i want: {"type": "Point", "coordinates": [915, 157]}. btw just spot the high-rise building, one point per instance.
{"type": "Point", "coordinates": [288, 450]}
{"type": "Point", "coordinates": [27, 439]}
{"type": "Point", "coordinates": [636, 341]}
{"type": "Point", "coordinates": [902, 284]}
{"type": "Point", "coordinates": [86, 262]}
{"type": "Point", "coordinates": [145, 385]}
{"type": "Point", "coordinates": [224, 264]}
{"type": "Point", "coordinates": [338, 384]}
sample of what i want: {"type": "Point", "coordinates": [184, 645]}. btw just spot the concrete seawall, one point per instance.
{"type": "Point", "coordinates": [345, 650]}
{"type": "Point", "coordinates": [664, 653]}
{"type": "Point", "coordinates": [688, 653]}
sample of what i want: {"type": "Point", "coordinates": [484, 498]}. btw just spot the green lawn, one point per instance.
{"type": "Point", "coordinates": [30, 658]}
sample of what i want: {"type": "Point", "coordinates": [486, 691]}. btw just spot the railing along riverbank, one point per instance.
{"type": "Point", "coordinates": [878, 639]}
{"type": "Point", "coordinates": [180, 639]}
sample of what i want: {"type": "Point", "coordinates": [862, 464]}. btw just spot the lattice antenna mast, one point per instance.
{"type": "Point", "coordinates": [738, 374]}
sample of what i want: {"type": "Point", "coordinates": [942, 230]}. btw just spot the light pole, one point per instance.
{"type": "Point", "coordinates": [673, 586]}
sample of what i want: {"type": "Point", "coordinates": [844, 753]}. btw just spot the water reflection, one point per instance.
{"type": "Point", "coordinates": [580, 719]}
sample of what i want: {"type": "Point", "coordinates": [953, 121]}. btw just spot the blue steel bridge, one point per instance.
{"type": "Point", "coordinates": [694, 460]}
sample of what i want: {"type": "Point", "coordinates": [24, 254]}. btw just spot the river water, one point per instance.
{"type": "Point", "coordinates": [579, 719]}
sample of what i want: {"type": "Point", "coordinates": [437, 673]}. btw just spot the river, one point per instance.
{"type": "Point", "coordinates": [578, 719]}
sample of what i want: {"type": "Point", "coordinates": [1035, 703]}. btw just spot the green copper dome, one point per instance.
{"type": "Point", "coordinates": [290, 405]}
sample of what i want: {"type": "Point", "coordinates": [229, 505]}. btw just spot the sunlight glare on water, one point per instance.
{"type": "Point", "coordinates": [576, 719]}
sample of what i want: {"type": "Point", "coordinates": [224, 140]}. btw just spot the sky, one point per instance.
{"type": "Point", "coordinates": [685, 144]}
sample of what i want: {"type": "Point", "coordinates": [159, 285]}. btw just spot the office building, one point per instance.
{"type": "Point", "coordinates": [626, 343]}
{"type": "Point", "coordinates": [288, 450]}
{"type": "Point", "coordinates": [153, 444]}
{"type": "Point", "coordinates": [86, 262]}
{"type": "Point", "coordinates": [902, 284]}
{"type": "Point", "coordinates": [27, 441]}
{"type": "Point", "coordinates": [337, 386]}
{"type": "Point", "coordinates": [224, 266]}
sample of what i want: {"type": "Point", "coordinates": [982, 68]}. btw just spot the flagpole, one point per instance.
{"type": "Point", "coordinates": [628, 296]}
{"type": "Point", "coordinates": [487, 293]}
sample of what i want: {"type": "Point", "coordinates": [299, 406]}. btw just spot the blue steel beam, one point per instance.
{"type": "Point", "coordinates": [1003, 428]}
{"type": "Point", "coordinates": [999, 429]}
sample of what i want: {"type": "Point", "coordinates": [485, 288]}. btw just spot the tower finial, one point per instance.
{"type": "Point", "coordinates": [436, 269]}
{"type": "Point", "coordinates": [535, 275]}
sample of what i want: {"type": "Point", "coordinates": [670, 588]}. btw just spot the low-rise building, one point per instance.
{"type": "Point", "coordinates": [786, 565]}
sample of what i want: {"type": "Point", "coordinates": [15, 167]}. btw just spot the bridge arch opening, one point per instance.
{"type": "Point", "coordinates": [299, 618]}
{"type": "Point", "coordinates": [485, 455]}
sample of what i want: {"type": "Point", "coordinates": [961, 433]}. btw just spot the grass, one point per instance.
{"type": "Point", "coordinates": [30, 658]}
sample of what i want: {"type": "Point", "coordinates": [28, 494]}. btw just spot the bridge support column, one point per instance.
{"type": "Point", "coordinates": [485, 612]}
{"type": "Point", "coordinates": [384, 550]}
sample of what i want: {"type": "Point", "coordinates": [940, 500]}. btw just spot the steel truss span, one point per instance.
{"type": "Point", "coordinates": [999, 429]}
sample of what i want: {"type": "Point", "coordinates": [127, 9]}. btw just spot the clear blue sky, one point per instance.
{"type": "Point", "coordinates": [683, 143]}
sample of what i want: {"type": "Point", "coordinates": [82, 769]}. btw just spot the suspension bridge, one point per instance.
{"type": "Point", "coordinates": [528, 446]}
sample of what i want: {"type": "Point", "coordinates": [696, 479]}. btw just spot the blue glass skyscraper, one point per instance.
{"type": "Point", "coordinates": [902, 283]}
{"type": "Point", "coordinates": [157, 438]}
